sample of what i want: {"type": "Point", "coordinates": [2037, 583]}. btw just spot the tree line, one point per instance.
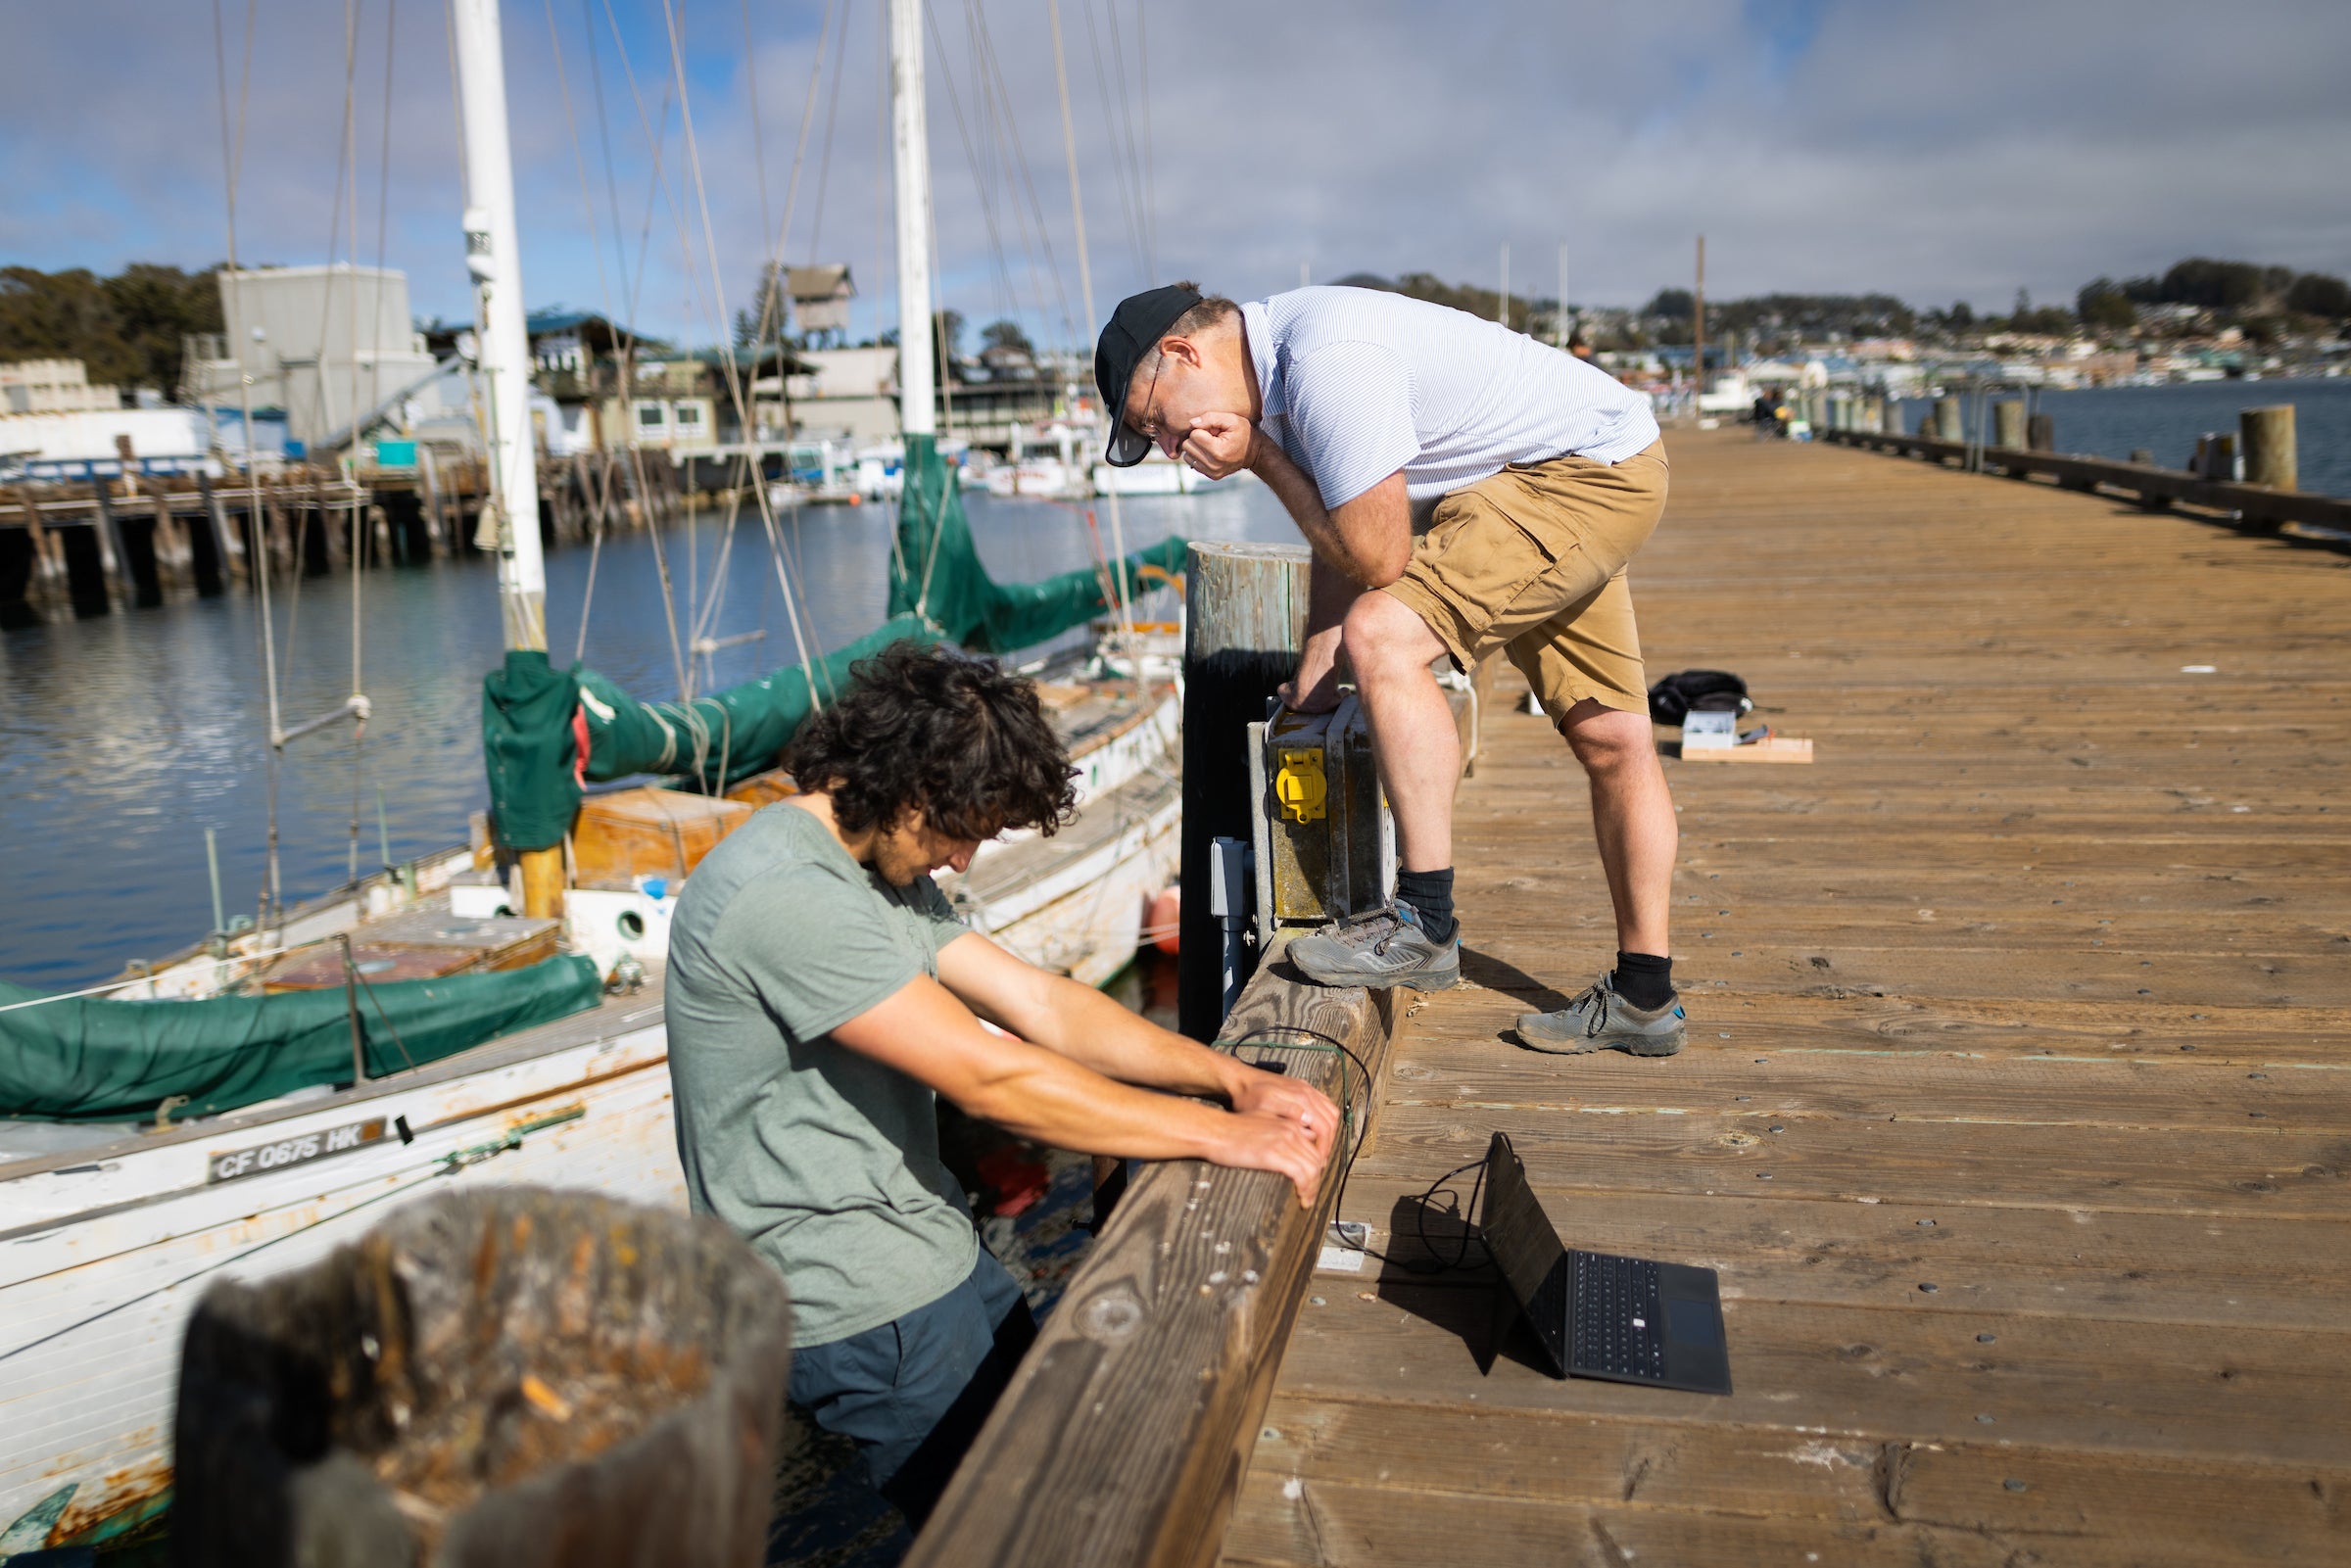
{"type": "Point", "coordinates": [127, 331]}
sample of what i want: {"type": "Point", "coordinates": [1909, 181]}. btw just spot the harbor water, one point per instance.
{"type": "Point", "coordinates": [123, 738]}
{"type": "Point", "coordinates": [2116, 421]}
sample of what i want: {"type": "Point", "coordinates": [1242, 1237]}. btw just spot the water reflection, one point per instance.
{"type": "Point", "coordinates": [122, 738]}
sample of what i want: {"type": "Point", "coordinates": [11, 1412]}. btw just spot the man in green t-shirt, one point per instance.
{"type": "Point", "coordinates": [822, 994]}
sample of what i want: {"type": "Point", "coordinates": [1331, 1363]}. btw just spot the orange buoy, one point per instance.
{"type": "Point", "coordinates": [1161, 918]}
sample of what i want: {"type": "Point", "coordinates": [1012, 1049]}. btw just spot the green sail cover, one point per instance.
{"type": "Point", "coordinates": [87, 1059]}
{"type": "Point", "coordinates": [934, 572]}
{"type": "Point", "coordinates": [534, 716]}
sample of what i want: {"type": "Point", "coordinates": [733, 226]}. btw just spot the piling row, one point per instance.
{"type": "Point", "coordinates": [118, 542]}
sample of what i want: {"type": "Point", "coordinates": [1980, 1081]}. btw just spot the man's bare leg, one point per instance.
{"type": "Point", "coordinates": [1416, 940]}
{"type": "Point", "coordinates": [1635, 1009]}
{"type": "Point", "coordinates": [1413, 736]}
{"type": "Point", "coordinates": [1632, 817]}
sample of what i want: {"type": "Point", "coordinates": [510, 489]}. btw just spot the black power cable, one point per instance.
{"type": "Point", "coordinates": [1431, 1265]}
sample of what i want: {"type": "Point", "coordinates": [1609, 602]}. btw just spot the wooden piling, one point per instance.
{"type": "Point", "coordinates": [2009, 425]}
{"type": "Point", "coordinates": [228, 549]}
{"type": "Point", "coordinates": [1246, 624]}
{"type": "Point", "coordinates": [1948, 423]}
{"type": "Point", "coordinates": [49, 591]}
{"type": "Point", "coordinates": [2266, 436]}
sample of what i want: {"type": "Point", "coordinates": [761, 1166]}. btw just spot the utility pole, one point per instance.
{"type": "Point", "coordinates": [1698, 317]}
{"type": "Point", "coordinates": [1560, 326]}
{"type": "Point", "coordinates": [1502, 314]}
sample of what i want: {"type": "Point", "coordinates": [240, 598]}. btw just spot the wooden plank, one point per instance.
{"type": "Point", "coordinates": [1771, 748]}
{"type": "Point", "coordinates": [1123, 1435]}
{"type": "Point", "coordinates": [2153, 1268]}
{"type": "Point", "coordinates": [2086, 1383]}
{"type": "Point", "coordinates": [1337, 1526]}
{"type": "Point", "coordinates": [2194, 1511]}
{"type": "Point", "coordinates": [2047, 949]}
{"type": "Point", "coordinates": [2062, 1168]}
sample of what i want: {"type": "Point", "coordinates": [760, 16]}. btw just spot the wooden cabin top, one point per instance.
{"type": "Point", "coordinates": [2015, 1114]}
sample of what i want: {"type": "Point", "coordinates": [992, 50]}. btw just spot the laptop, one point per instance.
{"type": "Point", "coordinates": [1627, 1319]}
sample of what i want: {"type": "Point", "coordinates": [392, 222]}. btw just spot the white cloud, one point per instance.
{"type": "Point", "coordinates": [1932, 152]}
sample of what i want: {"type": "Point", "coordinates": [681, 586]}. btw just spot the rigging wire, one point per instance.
{"type": "Point", "coordinates": [669, 609]}
{"type": "Point", "coordinates": [359, 532]}
{"type": "Point", "coordinates": [1068, 135]}
{"type": "Point", "coordinates": [1110, 123]}
{"type": "Point", "coordinates": [257, 529]}
{"type": "Point", "coordinates": [823, 161]}
{"type": "Point", "coordinates": [993, 86]}
{"type": "Point", "coordinates": [734, 377]}
{"type": "Point", "coordinates": [604, 287]}
{"type": "Point", "coordinates": [1142, 76]}
{"type": "Point", "coordinates": [987, 205]}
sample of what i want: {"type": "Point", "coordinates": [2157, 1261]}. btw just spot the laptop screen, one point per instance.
{"type": "Point", "coordinates": [1518, 1234]}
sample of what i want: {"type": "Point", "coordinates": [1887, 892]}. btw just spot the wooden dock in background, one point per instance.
{"type": "Point", "coordinates": [2017, 1109]}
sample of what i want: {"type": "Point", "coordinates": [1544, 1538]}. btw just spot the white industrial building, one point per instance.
{"type": "Point", "coordinates": [330, 344]}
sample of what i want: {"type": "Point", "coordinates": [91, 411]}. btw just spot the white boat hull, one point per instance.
{"type": "Point", "coordinates": [106, 1250]}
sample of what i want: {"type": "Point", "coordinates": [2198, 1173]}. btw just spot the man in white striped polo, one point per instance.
{"type": "Point", "coordinates": [1466, 489]}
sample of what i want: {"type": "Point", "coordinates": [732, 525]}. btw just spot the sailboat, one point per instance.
{"type": "Point", "coordinates": [262, 1098]}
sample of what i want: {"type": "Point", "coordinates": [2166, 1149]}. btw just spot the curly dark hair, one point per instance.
{"type": "Point", "coordinates": [952, 733]}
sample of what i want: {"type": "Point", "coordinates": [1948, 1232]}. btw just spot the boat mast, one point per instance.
{"type": "Point", "coordinates": [493, 254]}
{"type": "Point", "coordinates": [493, 257]}
{"type": "Point", "coordinates": [911, 158]}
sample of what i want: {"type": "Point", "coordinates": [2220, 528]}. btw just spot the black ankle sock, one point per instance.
{"type": "Point", "coordinates": [1430, 893]}
{"type": "Point", "coordinates": [1644, 979]}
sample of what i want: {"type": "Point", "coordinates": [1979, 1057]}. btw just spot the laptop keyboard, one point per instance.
{"type": "Point", "coordinates": [1618, 1325]}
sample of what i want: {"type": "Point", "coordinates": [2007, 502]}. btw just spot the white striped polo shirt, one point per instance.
{"type": "Point", "coordinates": [1359, 383]}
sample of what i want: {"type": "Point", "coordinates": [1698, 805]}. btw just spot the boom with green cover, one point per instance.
{"type": "Point", "coordinates": [548, 732]}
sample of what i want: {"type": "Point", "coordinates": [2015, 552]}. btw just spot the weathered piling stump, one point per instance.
{"type": "Point", "coordinates": [2266, 436]}
{"type": "Point", "coordinates": [2009, 425]}
{"type": "Point", "coordinates": [517, 1377]}
{"type": "Point", "coordinates": [1245, 625]}
{"type": "Point", "coordinates": [1949, 424]}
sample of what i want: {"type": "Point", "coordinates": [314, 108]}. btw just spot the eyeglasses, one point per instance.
{"type": "Point", "coordinates": [1150, 419]}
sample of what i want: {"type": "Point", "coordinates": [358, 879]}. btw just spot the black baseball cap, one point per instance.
{"type": "Point", "coordinates": [1135, 328]}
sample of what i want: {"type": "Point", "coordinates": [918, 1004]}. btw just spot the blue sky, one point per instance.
{"type": "Point", "coordinates": [1937, 152]}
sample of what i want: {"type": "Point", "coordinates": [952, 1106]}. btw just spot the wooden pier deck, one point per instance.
{"type": "Point", "coordinates": [2017, 1110]}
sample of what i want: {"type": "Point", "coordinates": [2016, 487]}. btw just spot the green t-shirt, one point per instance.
{"type": "Point", "coordinates": [825, 1161]}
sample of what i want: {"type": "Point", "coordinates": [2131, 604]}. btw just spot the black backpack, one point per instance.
{"type": "Point", "coordinates": [1672, 699]}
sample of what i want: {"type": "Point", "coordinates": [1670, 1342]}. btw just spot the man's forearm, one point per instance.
{"type": "Point", "coordinates": [1330, 595]}
{"type": "Point", "coordinates": [1298, 496]}
{"type": "Point", "coordinates": [1093, 1031]}
{"type": "Point", "coordinates": [1368, 540]}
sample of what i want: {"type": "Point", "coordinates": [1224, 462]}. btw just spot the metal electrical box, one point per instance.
{"type": "Point", "coordinates": [1325, 844]}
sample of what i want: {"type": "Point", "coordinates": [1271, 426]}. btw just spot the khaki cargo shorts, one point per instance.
{"type": "Point", "coordinates": [1531, 561]}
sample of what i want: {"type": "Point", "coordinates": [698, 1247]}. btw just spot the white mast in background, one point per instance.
{"type": "Point", "coordinates": [911, 157]}
{"type": "Point", "coordinates": [493, 257]}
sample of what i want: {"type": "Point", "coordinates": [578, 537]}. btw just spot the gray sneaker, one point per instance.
{"type": "Point", "coordinates": [1386, 947]}
{"type": "Point", "coordinates": [1599, 1019]}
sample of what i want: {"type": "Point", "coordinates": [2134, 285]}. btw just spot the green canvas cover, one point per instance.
{"type": "Point", "coordinates": [534, 716]}
{"type": "Point", "coordinates": [527, 744]}
{"type": "Point", "coordinates": [88, 1059]}
{"type": "Point", "coordinates": [934, 572]}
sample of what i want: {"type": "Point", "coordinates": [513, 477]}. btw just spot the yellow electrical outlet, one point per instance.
{"type": "Point", "coordinates": [1300, 787]}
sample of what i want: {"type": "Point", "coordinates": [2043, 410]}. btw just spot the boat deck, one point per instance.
{"type": "Point", "coordinates": [2016, 1114]}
